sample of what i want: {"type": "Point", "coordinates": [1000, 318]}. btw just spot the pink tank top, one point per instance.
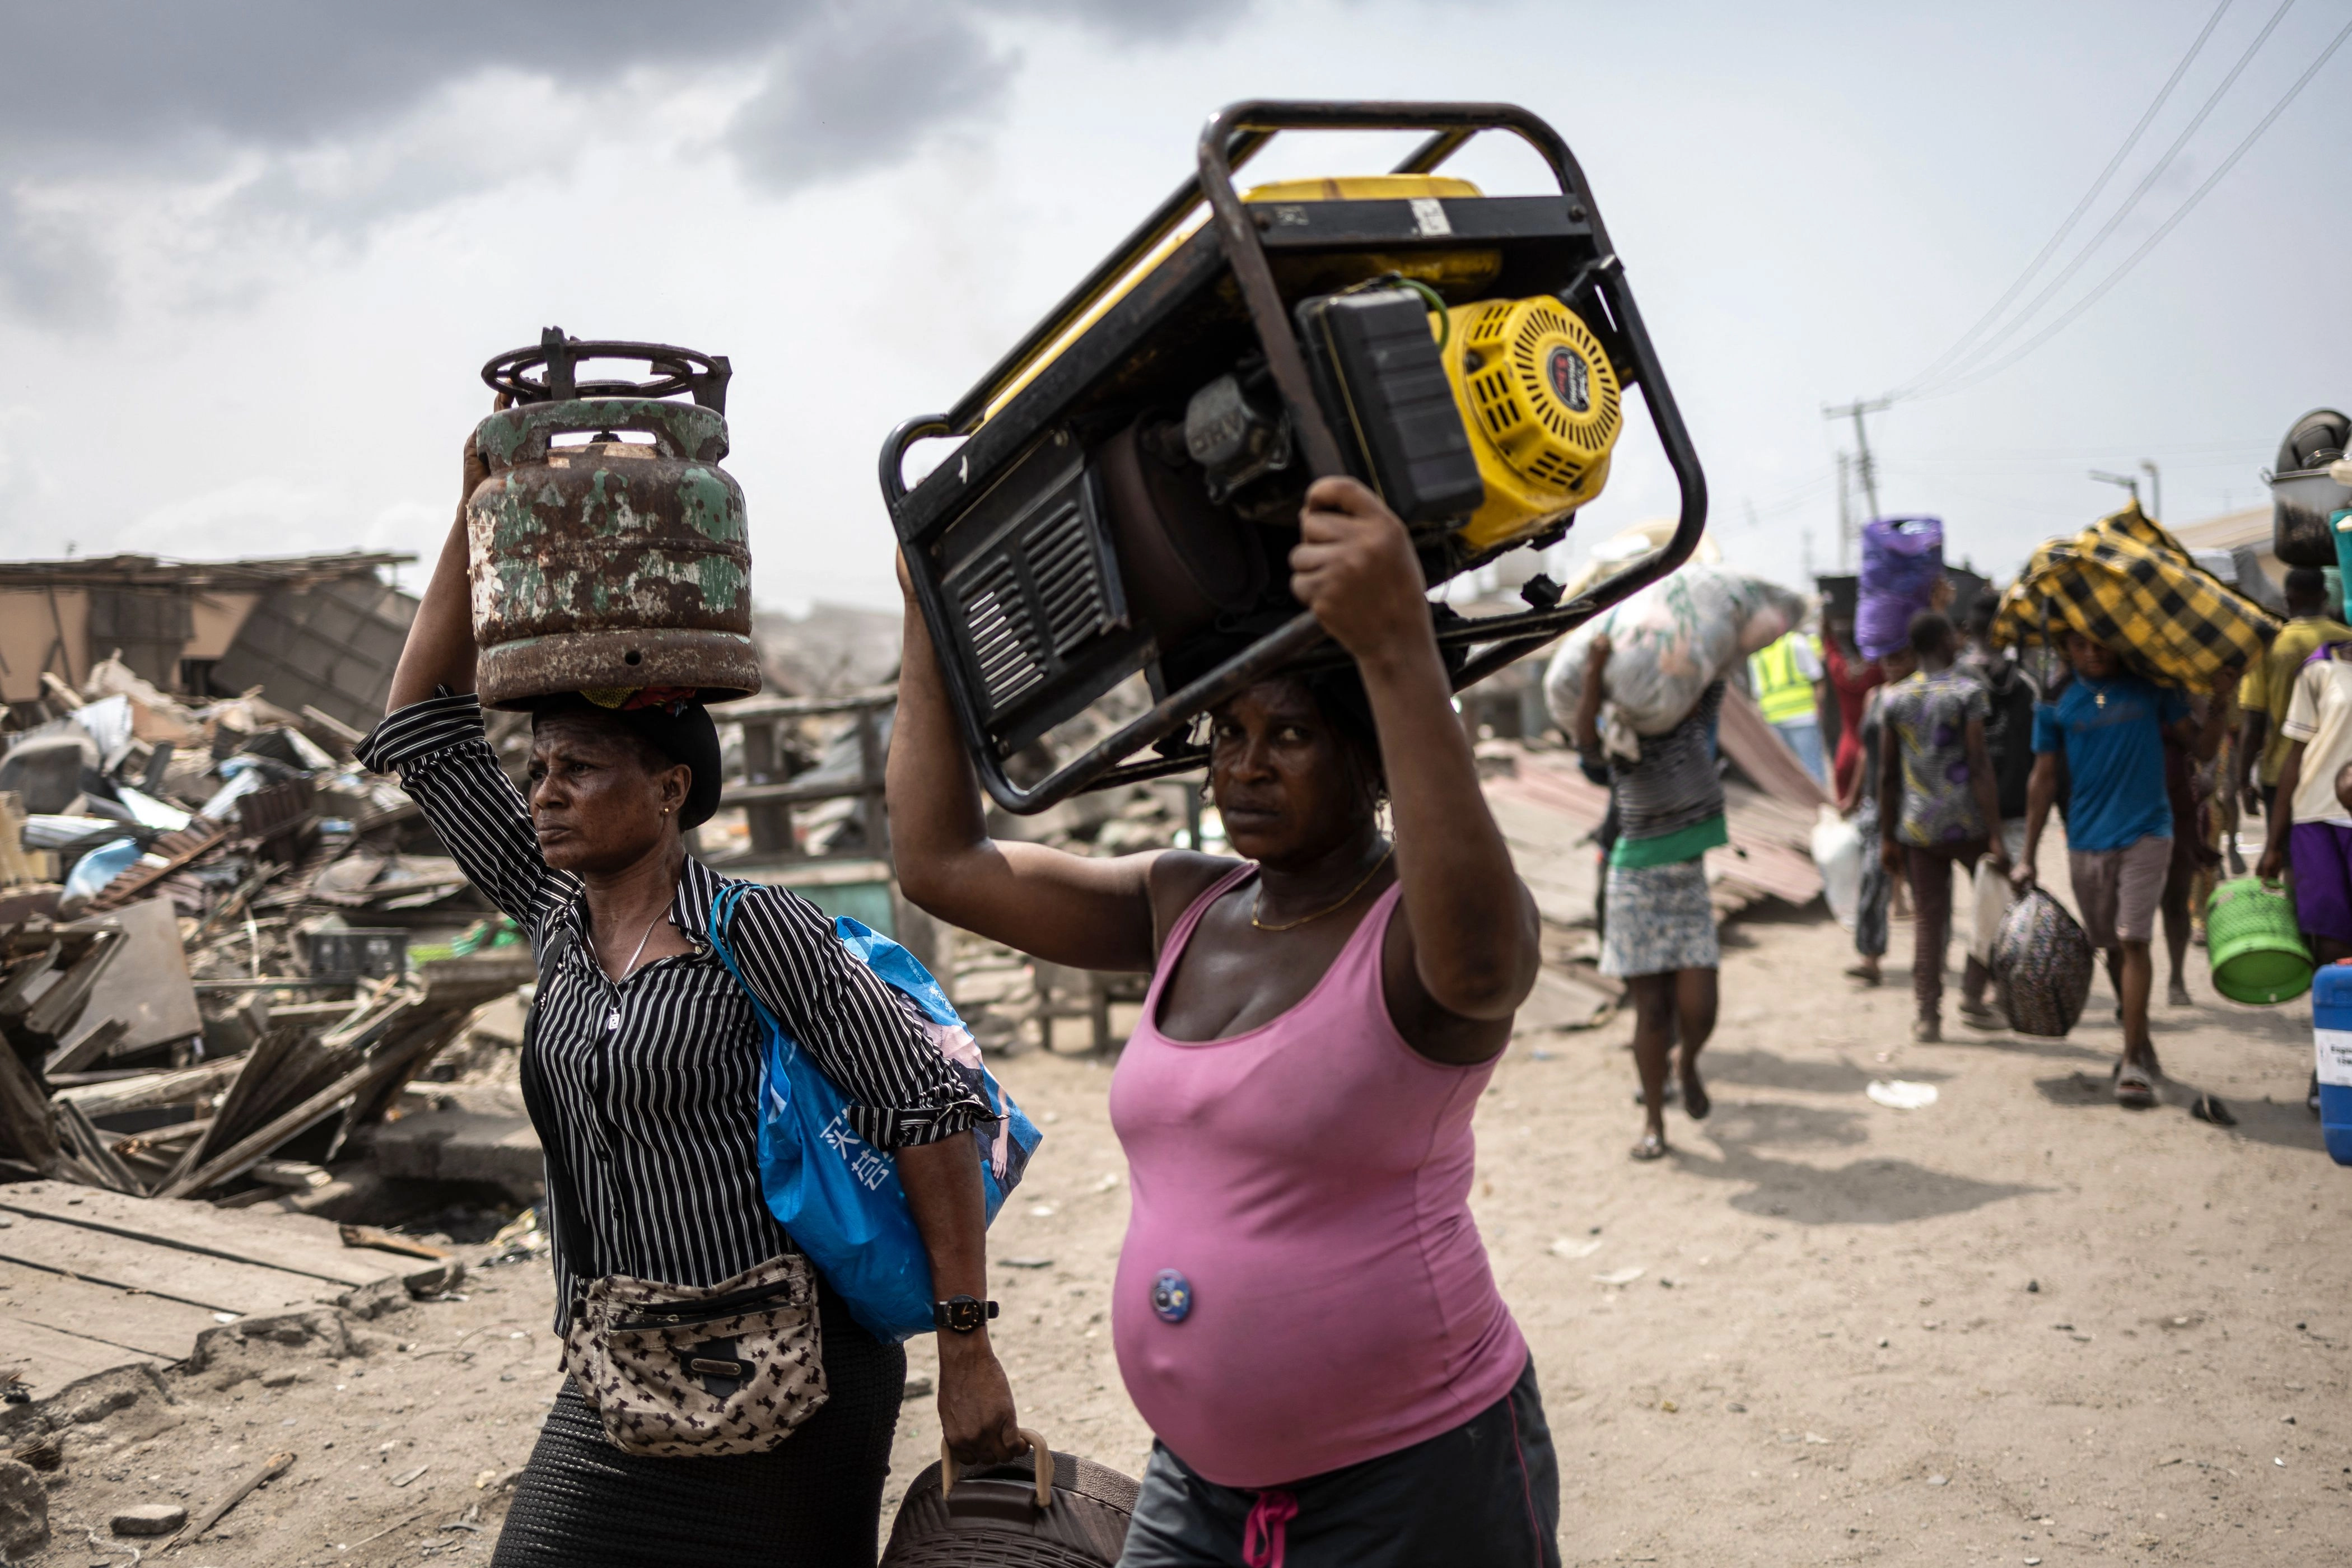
{"type": "Point", "coordinates": [1310, 1181]}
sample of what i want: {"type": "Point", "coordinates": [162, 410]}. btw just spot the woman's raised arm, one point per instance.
{"type": "Point", "coordinates": [440, 648]}
{"type": "Point", "coordinates": [1064, 909]}
{"type": "Point", "coordinates": [1476, 940]}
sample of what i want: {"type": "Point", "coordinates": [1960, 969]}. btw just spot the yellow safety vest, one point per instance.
{"type": "Point", "coordinates": [1782, 690]}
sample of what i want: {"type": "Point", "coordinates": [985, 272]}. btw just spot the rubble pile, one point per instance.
{"type": "Point", "coordinates": [225, 949]}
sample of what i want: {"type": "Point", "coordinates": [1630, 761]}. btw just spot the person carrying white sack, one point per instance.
{"type": "Point", "coordinates": [2011, 694]}
{"type": "Point", "coordinates": [1641, 684]}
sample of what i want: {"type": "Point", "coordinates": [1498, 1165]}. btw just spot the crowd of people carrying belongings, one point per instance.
{"type": "Point", "coordinates": [733, 1332]}
{"type": "Point", "coordinates": [2102, 685]}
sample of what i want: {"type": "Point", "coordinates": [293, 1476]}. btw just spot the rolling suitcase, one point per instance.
{"type": "Point", "coordinates": [1042, 1509]}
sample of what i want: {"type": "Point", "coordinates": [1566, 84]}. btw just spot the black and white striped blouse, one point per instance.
{"type": "Point", "coordinates": [654, 1081]}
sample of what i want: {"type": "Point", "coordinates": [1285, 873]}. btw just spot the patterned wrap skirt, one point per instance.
{"type": "Point", "coordinates": [1659, 921]}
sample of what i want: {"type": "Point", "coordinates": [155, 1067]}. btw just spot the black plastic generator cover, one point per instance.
{"type": "Point", "coordinates": [1376, 364]}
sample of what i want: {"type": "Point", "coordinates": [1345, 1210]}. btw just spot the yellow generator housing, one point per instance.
{"type": "Point", "coordinates": [1543, 408]}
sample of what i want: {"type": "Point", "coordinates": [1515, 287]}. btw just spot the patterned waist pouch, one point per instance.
{"type": "Point", "coordinates": [678, 1371]}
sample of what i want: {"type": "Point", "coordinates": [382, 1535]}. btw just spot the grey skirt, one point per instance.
{"type": "Point", "coordinates": [1659, 921]}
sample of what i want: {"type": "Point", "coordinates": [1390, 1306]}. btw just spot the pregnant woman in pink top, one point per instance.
{"type": "Point", "coordinates": [1303, 1311]}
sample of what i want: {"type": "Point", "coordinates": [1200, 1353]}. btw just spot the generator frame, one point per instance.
{"type": "Point", "coordinates": [1241, 236]}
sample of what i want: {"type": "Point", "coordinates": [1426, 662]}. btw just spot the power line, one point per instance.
{"type": "Point", "coordinates": [1925, 386]}
{"type": "Point", "coordinates": [2166, 227]}
{"type": "Point", "coordinates": [2081, 207]}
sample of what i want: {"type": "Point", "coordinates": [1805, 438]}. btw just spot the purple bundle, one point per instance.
{"type": "Point", "coordinates": [1902, 558]}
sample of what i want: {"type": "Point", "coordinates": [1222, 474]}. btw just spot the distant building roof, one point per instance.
{"type": "Point", "coordinates": [116, 571]}
{"type": "Point", "coordinates": [2229, 530]}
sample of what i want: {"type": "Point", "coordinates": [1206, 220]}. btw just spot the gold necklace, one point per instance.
{"type": "Point", "coordinates": [1318, 915]}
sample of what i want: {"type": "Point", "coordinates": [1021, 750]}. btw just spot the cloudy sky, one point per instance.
{"type": "Point", "coordinates": [252, 255]}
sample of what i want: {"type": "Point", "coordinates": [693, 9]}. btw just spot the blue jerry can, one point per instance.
{"type": "Point", "coordinates": [2331, 1019]}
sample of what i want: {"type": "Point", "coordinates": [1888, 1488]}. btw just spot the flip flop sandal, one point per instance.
{"type": "Point", "coordinates": [2206, 1108]}
{"type": "Point", "coordinates": [1864, 977]}
{"type": "Point", "coordinates": [2133, 1090]}
{"type": "Point", "coordinates": [1651, 1147]}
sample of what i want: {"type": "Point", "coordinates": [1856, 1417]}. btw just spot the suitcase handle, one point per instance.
{"type": "Point", "coordinates": [949, 1468]}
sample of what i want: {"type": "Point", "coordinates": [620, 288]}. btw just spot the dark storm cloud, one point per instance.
{"type": "Point", "coordinates": [111, 90]}
{"type": "Point", "coordinates": [860, 90]}
{"type": "Point", "coordinates": [115, 77]}
{"type": "Point", "coordinates": [108, 76]}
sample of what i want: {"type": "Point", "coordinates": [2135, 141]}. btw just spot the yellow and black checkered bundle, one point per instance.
{"type": "Point", "coordinates": [2126, 583]}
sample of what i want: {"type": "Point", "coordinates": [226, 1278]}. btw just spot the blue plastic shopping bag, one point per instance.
{"type": "Point", "coordinates": [836, 1195]}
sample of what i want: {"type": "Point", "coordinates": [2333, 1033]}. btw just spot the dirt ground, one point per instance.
{"type": "Point", "coordinates": [2018, 1325]}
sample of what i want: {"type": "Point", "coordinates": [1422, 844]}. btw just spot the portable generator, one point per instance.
{"type": "Point", "coordinates": [1130, 475]}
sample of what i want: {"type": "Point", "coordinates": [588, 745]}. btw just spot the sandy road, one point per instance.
{"type": "Point", "coordinates": [2017, 1324]}
{"type": "Point", "coordinates": [2020, 1323]}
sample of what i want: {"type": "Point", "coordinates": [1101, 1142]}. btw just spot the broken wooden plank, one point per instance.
{"type": "Point", "coordinates": [93, 1150]}
{"type": "Point", "coordinates": [182, 1086]}
{"type": "Point", "coordinates": [191, 1279]}
{"type": "Point", "coordinates": [268, 1470]}
{"type": "Point", "coordinates": [260, 1087]}
{"type": "Point", "coordinates": [27, 1133]}
{"type": "Point", "coordinates": [221, 1167]}
{"type": "Point", "coordinates": [56, 1008]}
{"type": "Point", "coordinates": [134, 1321]}
{"type": "Point", "coordinates": [296, 1243]}
{"type": "Point", "coordinates": [48, 1360]}
{"type": "Point", "coordinates": [385, 1241]}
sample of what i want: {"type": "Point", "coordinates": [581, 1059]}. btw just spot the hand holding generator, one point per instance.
{"type": "Point", "coordinates": [1130, 475]}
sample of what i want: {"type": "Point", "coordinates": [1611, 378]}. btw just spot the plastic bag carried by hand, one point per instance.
{"type": "Point", "coordinates": [1837, 855]}
{"type": "Point", "coordinates": [1669, 642]}
{"type": "Point", "coordinates": [2041, 965]}
{"type": "Point", "coordinates": [836, 1195]}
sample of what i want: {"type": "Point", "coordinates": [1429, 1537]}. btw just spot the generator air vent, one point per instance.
{"type": "Point", "coordinates": [1003, 634]}
{"type": "Point", "coordinates": [1068, 575]}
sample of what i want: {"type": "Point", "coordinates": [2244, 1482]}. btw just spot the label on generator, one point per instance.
{"type": "Point", "coordinates": [2335, 1053]}
{"type": "Point", "coordinates": [1429, 218]}
{"type": "Point", "coordinates": [1571, 382]}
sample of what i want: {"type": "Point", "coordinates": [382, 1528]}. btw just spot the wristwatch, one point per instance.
{"type": "Point", "coordinates": [960, 1314]}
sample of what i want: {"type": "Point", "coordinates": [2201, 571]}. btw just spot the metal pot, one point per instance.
{"type": "Point", "coordinates": [2304, 493]}
{"type": "Point", "coordinates": [621, 563]}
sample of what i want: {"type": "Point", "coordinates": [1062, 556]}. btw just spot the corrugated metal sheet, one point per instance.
{"type": "Point", "coordinates": [331, 646]}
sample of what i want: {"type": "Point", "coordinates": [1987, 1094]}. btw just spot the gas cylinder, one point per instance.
{"type": "Point", "coordinates": [616, 562]}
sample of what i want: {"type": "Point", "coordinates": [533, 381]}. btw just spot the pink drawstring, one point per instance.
{"type": "Point", "coordinates": [1263, 1533]}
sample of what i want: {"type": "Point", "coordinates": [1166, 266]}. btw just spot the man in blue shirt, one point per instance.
{"type": "Point", "coordinates": [2111, 726]}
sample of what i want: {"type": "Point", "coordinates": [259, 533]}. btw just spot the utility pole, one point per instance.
{"type": "Point", "coordinates": [2155, 488]}
{"type": "Point", "coordinates": [1845, 515]}
{"type": "Point", "coordinates": [1854, 411]}
{"type": "Point", "coordinates": [2127, 481]}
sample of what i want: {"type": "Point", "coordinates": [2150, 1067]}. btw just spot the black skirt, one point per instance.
{"type": "Point", "coordinates": [813, 1501]}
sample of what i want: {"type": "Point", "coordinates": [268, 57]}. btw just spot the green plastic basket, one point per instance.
{"type": "Point", "coordinates": [2256, 948]}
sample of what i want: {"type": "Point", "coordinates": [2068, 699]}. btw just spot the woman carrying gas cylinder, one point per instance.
{"type": "Point", "coordinates": [649, 1051]}
{"type": "Point", "coordinates": [1304, 1312]}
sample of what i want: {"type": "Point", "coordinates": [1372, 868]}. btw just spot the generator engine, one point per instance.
{"type": "Point", "coordinates": [1130, 477]}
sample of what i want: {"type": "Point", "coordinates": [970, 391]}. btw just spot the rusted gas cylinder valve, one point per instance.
{"type": "Point", "coordinates": [616, 563]}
